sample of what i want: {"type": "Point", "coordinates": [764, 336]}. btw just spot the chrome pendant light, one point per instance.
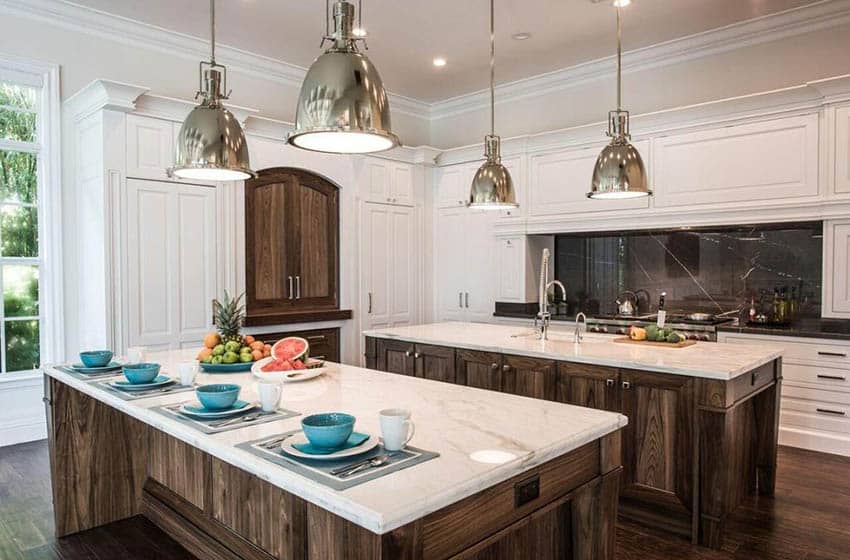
{"type": "Point", "coordinates": [619, 171]}
{"type": "Point", "coordinates": [343, 106]}
{"type": "Point", "coordinates": [492, 186]}
{"type": "Point", "coordinates": [211, 145]}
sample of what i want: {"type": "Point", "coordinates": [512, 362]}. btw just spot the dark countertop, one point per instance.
{"type": "Point", "coordinates": [837, 329]}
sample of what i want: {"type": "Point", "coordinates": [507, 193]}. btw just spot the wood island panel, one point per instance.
{"type": "Point", "coordinates": [179, 467]}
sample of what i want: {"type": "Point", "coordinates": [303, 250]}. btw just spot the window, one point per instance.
{"type": "Point", "coordinates": [27, 165]}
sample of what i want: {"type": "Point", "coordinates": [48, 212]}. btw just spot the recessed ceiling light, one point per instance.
{"type": "Point", "coordinates": [622, 3]}
{"type": "Point", "coordinates": [359, 32]}
{"type": "Point", "coordinates": [439, 62]}
{"type": "Point", "coordinates": [522, 36]}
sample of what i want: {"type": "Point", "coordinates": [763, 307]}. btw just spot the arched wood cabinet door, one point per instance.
{"type": "Point", "coordinates": [292, 243]}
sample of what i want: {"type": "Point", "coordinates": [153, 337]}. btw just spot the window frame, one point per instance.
{"type": "Point", "coordinates": [45, 76]}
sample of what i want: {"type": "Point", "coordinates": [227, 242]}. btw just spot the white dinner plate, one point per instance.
{"type": "Point", "coordinates": [290, 376]}
{"type": "Point", "coordinates": [287, 447]}
{"type": "Point", "coordinates": [124, 385]}
{"type": "Point", "coordinates": [213, 414]}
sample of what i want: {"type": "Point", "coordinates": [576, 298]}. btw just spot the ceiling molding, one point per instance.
{"type": "Point", "coordinates": [773, 27]}
{"type": "Point", "coordinates": [135, 33]}
{"type": "Point", "coordinates": [103, 95]}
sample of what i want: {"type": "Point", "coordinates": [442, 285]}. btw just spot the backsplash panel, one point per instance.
{"type": "Point", "coordinates": [702, 270]}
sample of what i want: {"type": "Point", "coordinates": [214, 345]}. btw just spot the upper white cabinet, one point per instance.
{"type": "Point", "coordinates": [150, 147]}
{"type": "Point", "coordinates": [453, 184]}
{"type": "Point", "coordinates": [389, 181]}
{"type": "Point", "coordinates": [756, 162]}
{"type": "Point", "coordinates": [836, 269]}
{"type": "Point", "coordinates": [842, 150]}
{"type": "Point", "coordinates": [516, 167]}
{"type": "Point", "coordinates": [561, 180]}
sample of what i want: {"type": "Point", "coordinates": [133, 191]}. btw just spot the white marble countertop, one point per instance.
{"type": "Point", "coordinates": [703, 359]}
{"type": "Point", "coordinates": [454, 421]}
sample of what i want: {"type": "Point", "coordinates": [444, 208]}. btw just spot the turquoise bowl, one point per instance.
{"type": "Point", "coordinates": [218, 396]}
{"type": "Point", "coordinates": [328, 430]}
{"type": "Point", "coordinates": [141, 373]}
{"type": "Point", "coordinates": [96, 358]}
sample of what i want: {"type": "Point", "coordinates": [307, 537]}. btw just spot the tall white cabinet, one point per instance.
{"type": "Point", "coordinates": [171, 263]}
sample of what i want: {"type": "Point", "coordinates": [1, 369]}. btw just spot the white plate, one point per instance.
{"type": "Point", "coordinates": [290, 376]}
{"type": "Point", "coordinates": [287, 447]}
{"type": "Point", "coordinates": [124, 385]}
{"type": "Point", "coordinates": [213, 415]}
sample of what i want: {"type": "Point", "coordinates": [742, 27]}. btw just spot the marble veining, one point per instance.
{"type": "Point", "coordinates": [457, 422]}
{"type": "Point", "coordinates": [703, 359]}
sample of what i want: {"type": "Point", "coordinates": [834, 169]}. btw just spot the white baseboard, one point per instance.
{"type": "Point", "coordinates": [27, 429]}
{"type": "Point", "coordinates": [825, 442]}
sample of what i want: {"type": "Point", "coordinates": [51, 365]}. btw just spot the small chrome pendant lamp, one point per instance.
{"type": "Point", "coordinates": [211, 145]}
{"type": "Point", "coordinates": [492, 186]}
{"type": "Point", "coordinates": [343, 106]}
{"type": "Point", "coordinates": [619, 170]}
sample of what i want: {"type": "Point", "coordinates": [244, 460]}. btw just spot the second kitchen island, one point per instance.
{"type": "Point", "coordinates": [703, 419]}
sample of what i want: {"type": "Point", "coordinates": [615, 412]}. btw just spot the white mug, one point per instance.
{"type": "Point", "coordinates": [396, 428]}
{"type": "Point", "coordinates": [270, 394]}
{"type": "Point", "coordinates": [187, 370]}
{"type": "Point", "coordinates": [136, 354]}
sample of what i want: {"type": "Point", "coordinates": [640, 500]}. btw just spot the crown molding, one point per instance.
{"type": "Point", "coordinates": [135, 33]}
{"type": "Point", "coordinates": [821, 15]}
{"type": "Point", "coordinates": [103, 95]}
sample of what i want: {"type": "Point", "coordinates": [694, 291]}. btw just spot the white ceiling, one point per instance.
{"type": "Point", "coordinates": [405, 35]}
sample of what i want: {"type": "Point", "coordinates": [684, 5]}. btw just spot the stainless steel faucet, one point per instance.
{"type": "Point", "coordinates": [543, 315]}
{"type": "Point", "coordinates": [579, 328]}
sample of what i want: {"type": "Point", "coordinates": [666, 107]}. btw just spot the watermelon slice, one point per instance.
{"type": "Point", "coordinates": [290, 348]}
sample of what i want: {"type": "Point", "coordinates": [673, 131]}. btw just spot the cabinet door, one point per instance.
{"type": "Point", "coordinates": [314, 217]}
{"type": "Point", "coordinates": [516, 167]}
{"type": "Point", "coordinates": [510, 268]}
{"type": "Point", "coordinates": [450, 264]}
{"type": "Point", "coordinates": [378, 176]}
{"type": "Point", "coordinates": [402, 184]}
{"type": "Point", "coordinates": [658, 442]}
{"type": "Point", "coordinates": [836, 282]}
{"type": "Point", "coordinates": [479, 369]}
{"type": "Point", "coordinates": [150, 148]}
{"type": "Point", "coordinates": [842, 150]}
{"type": "Point", "coordinates": [529, 377]}
{"type": "Point", "coordinates": [587, 385]}
{"type": "Point", "coordinates": [435, 362]}
{"type": "Point", "coordinates": [450, 193]}
{"type": "Point", "coordinates": [395, 356]}
{"type": "Point", "coordinates": [404, 251]}
{"type": "Point", "coordinates": [479, 280]}
{"type": "Point", "coordinates": [375, 265]}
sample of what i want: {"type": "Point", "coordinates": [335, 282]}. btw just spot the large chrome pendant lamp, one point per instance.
{"type": "Point", "coordinates": [492, 186]}
{"type": "Point", "coordinates": [619, 171]}
{"type": "Point", "coordinates": [211, 145]}
{"type": "Point", "coordinates": [343, 106]}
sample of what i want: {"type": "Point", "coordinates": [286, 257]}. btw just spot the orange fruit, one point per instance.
{"type": "Point", "coordinates": [204, 353]}
{"type": "Point", "coordinates": [267, 347]}
{"type": "Point", "coordinates": [257, 355]}
{"type": "Point", "coordinates": [249, 340]}
{"type": "Point", "coordinates": [257, 345]}
{"type": "Point", "coordinates": [267, 353]}
{"type": "Point", "coordinates": [212, 340]}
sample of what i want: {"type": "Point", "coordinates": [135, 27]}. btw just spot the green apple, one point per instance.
{"type": "Point", "coordinates": [218, 350]}
{"type": "Point", "coordinates": [232, 346]}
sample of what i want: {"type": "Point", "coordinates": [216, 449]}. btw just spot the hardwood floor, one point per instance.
{"type": "Point", "coordinates": [809, 519]}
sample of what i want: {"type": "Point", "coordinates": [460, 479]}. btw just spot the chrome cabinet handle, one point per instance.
{"type": "Point", "coordinates": [626, 385]}
{"type": "Point", "coordinates": [467, 300]}
{"type": "Point", "coordinates": [291, 289]}
{"type": "Point", "coordinates": [609, 382]}
{"type": "Point", "coordinates": [506, 368]}
{"type": "Point", "coordinates": [460, 299]}
{"type": "Point", "coordinates": [494, 366]}
{"type": "Point", "coordinates": [370, 302]}
{"type": "Point", "coordinates": [834, 377]}
{"type": "Point", "coordinates": [408, 353]}
{"type": "Point", "coordinates": [316, 337]}
{"type": "Point", "coordinates": [297, 287]}
{"type": "Point", "coordinates": [835, 354]}
{"type": "Point", "coordinates": [829, 411]}
{"type": "Point", "coordinates": [417, 355]}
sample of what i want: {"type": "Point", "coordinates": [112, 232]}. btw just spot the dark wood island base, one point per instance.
{"type": "Point", "coordinates": [107, 466]}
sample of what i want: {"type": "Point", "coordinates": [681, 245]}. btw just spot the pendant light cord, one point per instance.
{"type": "Point", "coordinates": [492, 71]}
{"type": "Point", "coordinates": [619, 64]}
{"type": "Point", "coordinates": [212, 31]}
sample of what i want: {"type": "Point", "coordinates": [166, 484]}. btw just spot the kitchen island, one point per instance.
{"type": "Point", "coordinates": [513, 477]}
{"type": "Point", "coordinates": [703, 419]}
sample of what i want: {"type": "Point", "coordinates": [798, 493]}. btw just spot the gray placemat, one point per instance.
{"type": "Point", "coordinates": [171, 411]}
{"type": "Point", "coordinates": [136, 395]}
{"type": "Point", "coordinates": [88, 376]}
{"type": "Point", "coordinates": [319, 471]}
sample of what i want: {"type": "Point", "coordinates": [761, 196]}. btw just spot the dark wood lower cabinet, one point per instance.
{"type": "Point", "coordinates": [324, 343]}
{"type": "Point", "coordinates": [436, 363]}
{"type": "Point", "coordinates": [395, 356]}
{"type": "Point", "coordinates": [694, 447]}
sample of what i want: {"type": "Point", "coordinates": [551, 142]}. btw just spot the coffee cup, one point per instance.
{"type": "Point", "coordinates": [136, 354]}
{"type": "Point", "coordinates": [187, 370]}
{"type": "Point", "coordinates": [396, 428]}
{"type": "Point", "coordinates": [270, 394]}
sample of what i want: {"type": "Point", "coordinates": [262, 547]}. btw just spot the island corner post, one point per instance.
{"type": "Point", "coordinates": [107, 465]}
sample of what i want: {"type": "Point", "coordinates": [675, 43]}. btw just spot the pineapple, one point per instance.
{"type": "Point", "coordinates": [229, 315]}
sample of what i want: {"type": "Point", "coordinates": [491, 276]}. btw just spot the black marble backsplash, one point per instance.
{"type": "Point", "coordinates": [702, 270]}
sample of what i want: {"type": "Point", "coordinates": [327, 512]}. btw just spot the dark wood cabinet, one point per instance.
{"type": "Point", "coordinates": [291, 247]}
{"type": "Point", "coordinates": [588, 385]}
{"type": "Point", "coordinates": [529, 377]}
{"type": "Point", "coordinates": [324, 343]}
{"type": "Point", "coordinates": [436, 363]}
{"type": "Point", "coordinates": [395, 356]}
{"type": "Point", "coordinates": [479, 369]}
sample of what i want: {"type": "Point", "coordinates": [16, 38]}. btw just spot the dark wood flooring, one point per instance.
{"type": "Point", "coordinates": [809, 519]}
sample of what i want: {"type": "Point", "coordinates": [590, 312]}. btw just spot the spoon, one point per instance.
{"type": "Point", "coordinates": [378, 461]}
{"type": "Point", "coordinates": [247, 418]}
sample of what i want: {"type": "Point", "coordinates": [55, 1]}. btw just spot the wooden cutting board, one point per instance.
{"type": "Point", "coordinates": [682, 344]}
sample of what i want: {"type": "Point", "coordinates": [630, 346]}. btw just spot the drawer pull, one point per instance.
{"type": "Point", "coordinates": [323, 357]}
{"type": "Point", "coordinates": [609, 382]}
{"type": "Point", "coordinates": [834, 354]}
{"type": "Point", "coordinates": [494, 366]}
{"type": "Point", "coordinates": [830, 411]}
{"type": "Point", "coordinates": [408, 353]}
{"type": "Point", "coordinates": [417, 355]}
{"type": "Point", "coordinates": [626, 385]}
{"type": "Point", "coordinates": [833, 377]}
{"type": "Point", "coordinates": [506, 368]}
{"type": "Point", "coordinates": [316, 337]}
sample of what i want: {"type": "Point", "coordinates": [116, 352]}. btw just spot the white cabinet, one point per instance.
{"type": "Point", "coordinates": [389, 181]}
{"type": "Point", "coordinates": [757, 162]}
{"type": "Point", "coordinates": [389, 264]}
{"type": "Point", "coordinates": [510, 258]}
{"type": "Point", "coordinates": [841, 164]}
{"type": "Point", "coordinates": [836, 269]}
{"type": "Point", "coordinates": [150, 147]}
{"type": "Point", "coordinates": [171, 263]}
{"type": "Point", "coordinates": [516, 167]}
{"type": "Point", "coordinates": [453, 184]}
{"type": "Point", "coordinates": [561, 180]}
{"type": "Point", "coordinates": [465, 279]}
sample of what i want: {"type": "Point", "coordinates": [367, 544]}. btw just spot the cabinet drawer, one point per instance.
{"type": "Point", "coordinates": [324, 343]}
{"type": "Point", "coordinates": [823, 377]}
{"type": "Point", "coordinates": [835, 353]}
{"type": "Point", "coordinates": [817, 415]}
{"type": "Point", "coordinates": [794, 391]}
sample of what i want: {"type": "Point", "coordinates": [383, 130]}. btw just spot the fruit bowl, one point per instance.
{"type": "Point", "coordinates": [238, 367]}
